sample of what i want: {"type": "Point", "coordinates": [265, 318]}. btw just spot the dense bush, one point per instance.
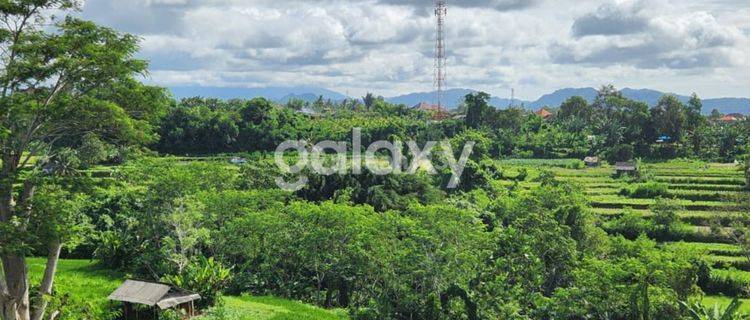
{"type": "Point", "coordinates": [648, 190]}
{"type": "Point", "coordinates": [204, 276]}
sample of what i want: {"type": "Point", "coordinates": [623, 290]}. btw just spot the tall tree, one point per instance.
{"type": "Point", "coordinates": [478, 109]}
{"type": "Point", "coordinates": [58, 82]}
{"type": "Point", "coordinates": [576, 107]}
{"type": "Point", "coordinates": [369, 100]}
{"type": "Point", "coordinates": [669, 117]}
{"type": "Point", "coordinates": [694, 121]}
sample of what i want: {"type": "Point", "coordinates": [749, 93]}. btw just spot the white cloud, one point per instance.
{"type": "Point", "coordinates": [387, 46]}
{"type": "Point", "coordinates": [652, 35]}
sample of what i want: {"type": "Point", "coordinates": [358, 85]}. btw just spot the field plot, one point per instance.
{"type": "Point", "coordinates": [704, 195]}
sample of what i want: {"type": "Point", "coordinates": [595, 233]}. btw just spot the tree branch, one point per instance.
{"type": "Point", "coordinates": [24, 201]}
{"type": "Point", "coordinates": [16, 37]}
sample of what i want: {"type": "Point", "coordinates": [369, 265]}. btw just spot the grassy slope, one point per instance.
{"type": "Point", "coordinates": [90, 285]}
{"type": "Point", "coordinates": [87, 284]}
{"type": "Point", "coordinates": [723, 302]}
{"type": "Point", "coordinates": [270, 308]}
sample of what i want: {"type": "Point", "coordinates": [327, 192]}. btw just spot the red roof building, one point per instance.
{"type": "Point", "coordinates": [438, 113]}
{"type": "Point", "coordinates": [728, 118]}
{"type": "Point", "coordinates": [544, 113]}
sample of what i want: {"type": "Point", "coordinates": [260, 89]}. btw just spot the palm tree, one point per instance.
{"type": "Point", "coordinates": [368, 100]}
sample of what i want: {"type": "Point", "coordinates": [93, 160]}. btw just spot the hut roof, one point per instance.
{"type": "Point", "coordinates": [152, 294]}
{"type": "Point", "coordinates": [176, 299]}
{"type": "Point", "coordinates": [625, 166]}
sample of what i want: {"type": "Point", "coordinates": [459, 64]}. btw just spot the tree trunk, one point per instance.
{"type": "Point", "coordinates": [16, 305]}
{"type": "Point", "coordinates": [49, 277]}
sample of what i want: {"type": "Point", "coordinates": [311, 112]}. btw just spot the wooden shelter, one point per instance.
{"type": "Point", "coordinates": [591, 161]}
{"type": "Point", "coordinates": [622, 168]}
{"type": "Point", "coordinates": [156, 296]}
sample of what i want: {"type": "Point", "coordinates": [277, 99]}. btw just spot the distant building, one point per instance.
{"type": "Point", "coordinates": [664, 139]}
{"type": "Point", "coordinates": [438, 113]}
{"type": "Point", "coordinates": [732, 117]}
{"type": "Point", "coordinates": [544, 113]}
{"type": "Point", "coordinates": [309, 112]}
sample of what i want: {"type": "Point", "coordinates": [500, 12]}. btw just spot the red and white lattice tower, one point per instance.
{"type": "Point", "coordinates": [441, 10]}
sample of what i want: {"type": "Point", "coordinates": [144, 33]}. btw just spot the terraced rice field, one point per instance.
{"type": "Point", "coordinates": [705, 193]}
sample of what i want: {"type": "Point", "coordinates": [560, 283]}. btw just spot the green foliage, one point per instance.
{"type": "Point", "coordinates": [665, 213]}
{"type": "Point", "coordinates": [396, 191]}
{"type": "Point", "coordinates": [204, 276]}
{"type": "Point", "coordinates": [478, 110]}
{"type": "Point", "coordinates": [648, 190]}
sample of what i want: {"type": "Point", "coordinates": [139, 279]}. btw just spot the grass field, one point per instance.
{"type": "Point", "coordinates": [88, 286]}
{"type": "Point", "coordinates": [271, 308]}
{"type": "Point", "coordinates": [723, 302]}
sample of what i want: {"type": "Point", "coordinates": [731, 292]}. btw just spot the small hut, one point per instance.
{"type": "Point", "coordinates": [591, 161]}
{"type": "Point", "coordinates": [623, 168]}
{"type": "Point", "coordinates": [156, 296]}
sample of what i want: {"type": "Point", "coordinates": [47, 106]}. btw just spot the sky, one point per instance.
{"type": "Point", "coordinates": [387, 46]}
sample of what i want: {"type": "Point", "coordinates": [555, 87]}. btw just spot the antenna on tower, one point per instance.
{"type": "Point", "coordinates": [441, 10]}
{"type": "Point", "coordinates": [512, 96]}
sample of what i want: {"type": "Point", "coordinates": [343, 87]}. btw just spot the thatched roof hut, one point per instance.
{"type": "Point", "coordinates": [626, 168]}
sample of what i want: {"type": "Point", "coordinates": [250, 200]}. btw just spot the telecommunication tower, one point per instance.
{"type": "Point", "coordinates": [441, 10]}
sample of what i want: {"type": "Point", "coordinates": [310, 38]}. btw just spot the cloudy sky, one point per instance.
{"type": "Point", "coordinates": [387, 46]}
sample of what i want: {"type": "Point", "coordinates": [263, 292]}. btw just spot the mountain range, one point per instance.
{"type": "Point", "coordinates": [453, 97]}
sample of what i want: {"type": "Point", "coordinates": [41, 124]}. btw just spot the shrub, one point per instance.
{"type": "Point", "coordinates": [204, 276]}
{"type": "Point", "coordinates": [523, 173]}
{"type": "Point", "coordinates": [620, 152]}
{"type": "Point", "coordinates": [726, 282]}
{"type": "Point", "coordinates": [647, 190]}
{"type": "Point", "coordinates": [665, 213]}
{"type": "Point", "coordinates": [546, 177]}
{"type": "Point", "coordinates": [630, 225]}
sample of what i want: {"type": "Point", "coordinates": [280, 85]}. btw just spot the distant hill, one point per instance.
{"type": "Point", "coordinates": [280, 94]}
{"type": "Point", "coordinates": [648, 96]}
{"type": "Point", "coordinates": [555, 99]}
{"type": "Point", "coordinates": [558, 97]}
{"type": "Point", "coordinates": [453, 97]}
